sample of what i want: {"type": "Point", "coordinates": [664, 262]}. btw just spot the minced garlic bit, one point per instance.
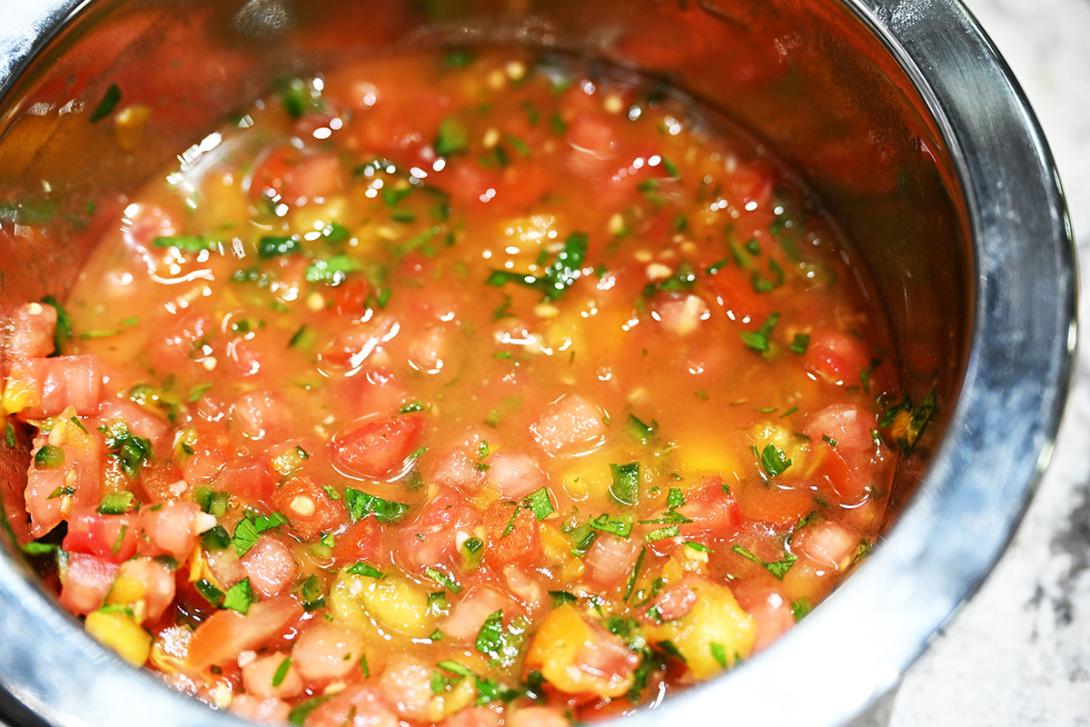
{"type": "Point", "coordinates": [658, 271]}
{"type": "Point", "coordinates": [642, 256]}
{"type": "Point", "coordinates": [546, 310]}
{"type": "Point", "coordinates": [491, 138]}
{"type": "Point", "coordinates": [315, 301]}
{"type": "Point", "coordinates": [516, 70]}
{"type": "Point", "coordinates": [616, 224]}
{"type": "Point", "coordinates": [613, 104]}
{"type": "Point", "coordinates": [495, 80]}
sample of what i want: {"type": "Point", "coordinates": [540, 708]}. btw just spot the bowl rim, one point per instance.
{"type": "Point", "coordinates": [1000, 436]}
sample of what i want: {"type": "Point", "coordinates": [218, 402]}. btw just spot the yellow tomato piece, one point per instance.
{"type": "Point", "coordinates": [795, 448]}
{"type": "Point", "coordinates": [126, 590]}
{"type": "Point", "coordinates": [391, 603]}
{"type": "Point", "coordinates": [704, 454]}
{"type": "Point", "coordinates": [19, 394]}
{"type": "Point", "coordinates": [223, 202]}
{"type": "Point", "coordinates": [555, 651]}
{"type": "Point", "coordinates": [445, 704]}
{"type": "Point", "coordinates": [129, 125]}
{"type": "Point", "coordinates": [715, 633]}
{"type": "Point", "coordinates": [315, 218]}
{"type": "Point", "coordinates": [117, 631]}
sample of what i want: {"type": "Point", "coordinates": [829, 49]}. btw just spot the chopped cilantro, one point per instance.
{"type": "Point", "coordinates": [774, 461]}
{"type": "Point", "coordinates": [130, 450]}
{"type": "Point", "coordinates": [366, 569]}
{"type": "Point", "coordinates": [640, 430]}
{"type": "Point", "coordinates": [759, 340]}
{"type": "Point", "coordinates": [107, 103]}
{"type": "Point", "coordinates": [117, 503]}
{"type": "Point", "coordinates": [564, 271]}
{"type": "Point", "coordinates": [270, 247]}
{"type": "Point", "coordinates": [625, 487]}
{"type": "Point", "coordinates": [281, 672]}
{"type": "Point", "coordinates": [800, 343]}
{"type": "Point", "coordinates": [443, 579]}
{"type": "Point", "coordinates": [619, 526]}
{"type": "Point", "coordinates": [562, 597]}
{"type": "Point", "coordinates": [800, 607]}
{"type": "Point", "coordinates": [361, 504]}
{"type": "Point", "coordinates": [48, 457]}
{"type": "Point", "coordinates": [453, 137]}
{"type": "Point", "coordinates": [634, 575]}
{"type": "Point", "coordinates": [239, 596]}
{"type": "Point", "coordinates": [540, 504]}
{"type": "Point", "coordinates": [62, 333]}
{"type": "Point", "coordinates": [332, 270]}
{"type": "Point", "coordinates": [185, 243]}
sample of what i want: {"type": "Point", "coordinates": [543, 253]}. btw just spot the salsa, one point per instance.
{"type": "Point", "coordinates": [453, 387]}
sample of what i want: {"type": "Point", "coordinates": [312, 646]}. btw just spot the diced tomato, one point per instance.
{"type": "Point", "coordinates": [32, 330]}
{"type": "Point", "coordinates": [296, 177]}
{"type": "Point", "coordinates": [226, 566]}
{"type": "Point", "coordinates": [225, 634]}
{"type": "Point", "coordinates": [458, 469]}
{"type": "Point", "coordinates": [537, 717]}
{"type": "Point", "coordinates": [593, 146]}
{"type": "Point", "coordinates": [530, 593]}
{"type": "Point", "coordinates": [349, 298]}
{"type": "Point", "coordinates": [142, 223]}
{"type": "Point", "coordinates": [361, 541]}
{"type": "Point", "coordinates": [515, 474]}
{"type": "Point", "coordinates": [263, 677]}
{"type": "Point", "coordinates": [429, 349]}
{"type": "Point", "coordinates": [470, 612]}
{"type": "Point", "coordinates": [170, 529]}
{"type": "Point", "coordinates": [209, 457]}
{"type": "Point", "coordinates": [326, 652]}
{"type": "Point", "coordinates": [570, 424]}
{"type": "Point", "coordinates": [269, 710]}
{"type": "Point", "coordinates": [139, 421]}
{"type": "Point", "coordinates": [260, 414]}
{"type": "Point", "coordinates": [85, 581]}
{"type": "Point", "coordinates": [836, 357]}
{"type": "Point", "coordinates": [610, 560]}
{"type": "Point", "coordinates": [513, 537]}
{"type": "Point", "coordinates": [47, 490]}
{"type": "Point", "coordinates": [57, 383]}
{"type": "Point", "coordinates": [431, 538]}
{"type": "Point", "coordinates": [770, 610]}
{"type": "Point", "coordinates": [377, 447]}
{"type": "Point", "coordinates": [749, 187]}
{"type": "Point", "coordinates": [826, 544]}
{"type": "Point", "coordinates": [734, 292]}
{"type": "Point", "coordinates": [109, 537]}
{"type": "Point", "coordinates": [372, 391]}
{"type": "Point", "coordinates": [606, 657]}
{"type": "Point", "coordinates": [356, 706]}
{"type": "Point", "coordinates": [680, 314]}
{"type": "Point", "coordinates": [157, 581]}
{"type": "Point", "coordinates": [161, 481]}
{"type": "Point", "coordinates": [406, 684]}
{"type": "Point", "coordinates": [484, 717]}
{"type": "Point", "coordinates": [308, 507]}
{"type": "Point", "coordinates": [846, 424]}
{"type": "Point", "coordinates": [713, 511]}
{"type": "Point", "coordinates": [270, 566]}
{"type": "Point", "coordinates": [675, 601]}
{"type": "Point", "coordinates": [250, 481]}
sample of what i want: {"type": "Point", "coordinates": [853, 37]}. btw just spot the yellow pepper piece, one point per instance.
{"type": "Point", "coordinates": [555, 650]}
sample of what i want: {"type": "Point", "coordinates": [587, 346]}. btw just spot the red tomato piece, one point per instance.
{"type": "Point", "coordinates": [675, 601]}
{"type": "Point", "coordinates": [734, 292]}
{"type": "Point", "coordinates": [309, 509]}
{"type": "Point", "coordinates": [536, 717]}
{"type": "Point", "coordinates": [377, 447]}
{"type": "Point", "coordinates": [79, 477]}
{"type": "Point", "coordinates": [270, 566]}
{"type": "Point", "coordinates": [406, 684]}
{"type": "Point", "coordinates": [458, 469]}
{"type": "Point", "coordinates": [169, 529]}
{"type": "Point", "coordinates": [470, 612]}
{"type": "Point", "coordinates": [431, 539]}
{"type": "Point", "coordinates": [296, 177]}
{"type": "Point", "coordinates": [260, 414]}
{"type": "Point", "coordinates": [268, 710]}
{"type": "Point", "coordinates": [570, 424]}
{"type": "Point", "coordinates": [59, 382]}
{"type": "Point", "coordinates": [610, 560]}
{"type": "Point", "coordinates": [157, 580]}
{"type": "Point", "coordinates": [32, 327]}
{"type": "Point", "coordinates": [263, 677]}
{"type": "Point", "coordinates": [108, 537]}
{"type": "Point", "coordinates": [770, 610]}
{"type": "Point", "coordinates": [360, 542]}
{"type": "Point", "coordinates": [356, 706]}
{"type": "Point", "coordinates": [836, 357]}
{"type": "Point", "coordinates": [713, 511]}
{"type": "Point", "coordinates": [846, 424]}
{"type": "Point", "coordinates": [827, 545]}
{"type": "Point", "coordinates": [225, 634]}
{"type": "Point", "coordinates": [326, 652]}
{"type": "Point", "coordinates": [515, 474]}
{"type": "Point", "coordinates": [484, 717]}
{"type": "Point", "coordinates": [249, 480]}
{"type": "Point", "coordinates": [85, 582]}
{"type": "Point", "coordinates": [512, 537]}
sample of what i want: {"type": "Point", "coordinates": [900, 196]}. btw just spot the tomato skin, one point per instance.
{"type": "Point", "coordinates": [308, 508]}
{"type": "Point", "coordinates": [521, 544]}
{"type": "Point", "coordinates": [60, 382]}
{"type": "Point", "coordinates": [377, 447]}
{"type": "Point", "coordinates": [836, 357]}
{"type": "Point", "coordinates": [250, 481]}
{"type": "Point", "coordinates": [109, 537]}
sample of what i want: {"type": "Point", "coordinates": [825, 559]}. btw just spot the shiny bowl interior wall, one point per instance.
{"type": "Point", "coordinates": [899, 114]}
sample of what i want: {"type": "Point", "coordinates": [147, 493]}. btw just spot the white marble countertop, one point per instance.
{"type": "Point", "coordinates": [1019, 652]}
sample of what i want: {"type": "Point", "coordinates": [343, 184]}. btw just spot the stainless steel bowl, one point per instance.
{"type": "Point", "coordinates": [899, 113]}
